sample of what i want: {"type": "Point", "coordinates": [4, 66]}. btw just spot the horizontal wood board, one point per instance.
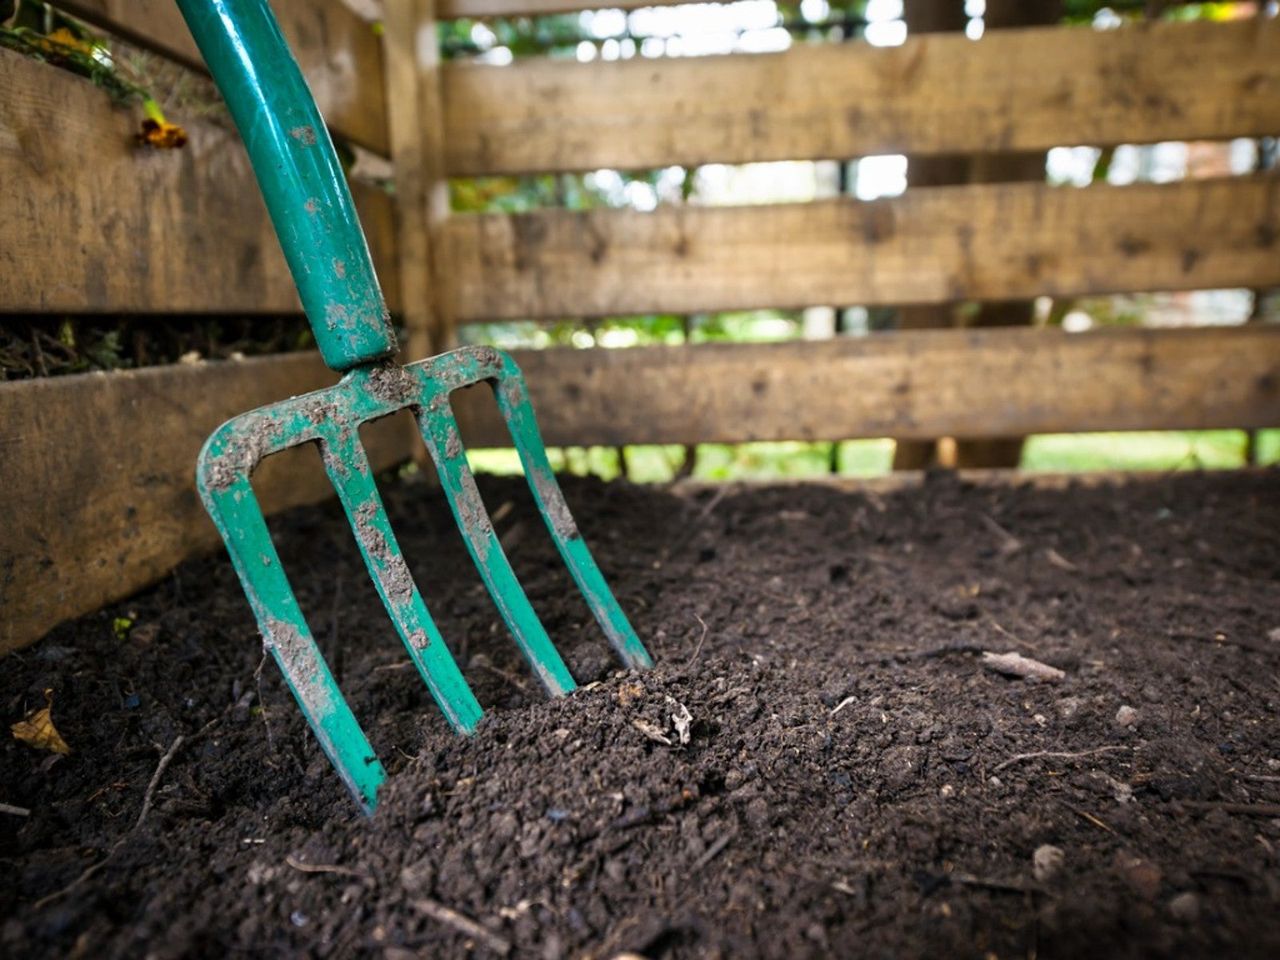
{"type": "Point", "coordinates": [917, 385]}
{"type": "Point", "coordinates": [99, 478]}
{"type": "Point", "coordinates": [1023, 89]}
{"type": "Point", "coordinates": [99, 469]}
{"type": "Point", "coordinates": [930, 245]}
{"type": "Point", "coordinates": [90, 222]}
{"type": "Point", "coordinates": [340, 54]}
{"type": "Point", "coordinates": [458, 9]}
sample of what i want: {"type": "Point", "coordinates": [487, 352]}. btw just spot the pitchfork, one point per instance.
{"type": "Point", "coordinates": [310, 205]}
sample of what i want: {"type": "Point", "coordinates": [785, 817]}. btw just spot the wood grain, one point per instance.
{"type": "Point", "coordinates": [975, 242]}
{"type": "Point", "coordinates": [1023, 89]}
{"type": "Point", "coordinates": [455, 9]}
{"type": "Point", "coordinates": [99, 478]}
{"type": "Point", "coordinates": [98, 469]}
{"type": "Point", "coordinates": [422, 192]}
{"type": "Point", "coordinates": [89, 222]}
{"type": "Point", "coordinates": [339, 53]}
{"type": "Point", "coordinates": [928, 383]}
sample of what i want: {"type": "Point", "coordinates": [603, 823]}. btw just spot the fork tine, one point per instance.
{"type": "Point", "coordinates": [348, 468]}
{"type": "Point", "coordinates": [238, 517]}
{"type": "Point", "coordinates": [440, 433]}
{"type": "Point", "coordinates": [513, 401]}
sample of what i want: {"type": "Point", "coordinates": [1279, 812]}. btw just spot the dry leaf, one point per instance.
{"type": "Point", "coordinates": [652, 732]}
{"type": "Point", "coordinates": [38, 729]}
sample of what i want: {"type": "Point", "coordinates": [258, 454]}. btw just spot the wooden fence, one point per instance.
{"type": "Point", "coordinates": [97, 469]}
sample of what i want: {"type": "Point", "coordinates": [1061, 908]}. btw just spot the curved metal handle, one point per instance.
{"type": "Point", "coordinates": [301, 179]}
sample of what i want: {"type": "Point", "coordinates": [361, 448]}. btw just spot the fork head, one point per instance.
{"type": "Point", "coordinates": [331, 418]}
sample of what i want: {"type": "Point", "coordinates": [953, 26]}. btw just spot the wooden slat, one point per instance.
{"type": "Point", "coordinates": [337, 50]}
{"type": "Point", "coordinates": [1014, 90]}
{"type": "Point", "coordinates": [914, 385]}
{"type": "Point", "coordinates": [977, 242]}
{"type": "Point", "coordinates": [455, 9]}
{"type": "Point", "coordinates": [452, 9]}
{"type": "Point", "coordinates": [99, 478]}
{"type": "Point", "coordinates": [91, 223]}
{"type": "Point", "coordinates": [97, 469]}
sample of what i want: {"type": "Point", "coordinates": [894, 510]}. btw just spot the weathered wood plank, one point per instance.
{"type": "Point", "coordinates": [455, 9]}
{"type": "Point", "coordinates": [99, 478]}
{"type": "Point", "coordinates": [422, 192]}
{"type": "Point", "coordinates": [98, 469]}
{"type": "Point", "coordinates": [928, 383]}
{"type": "Point", "coordinates": [1025, 89]}
{"type": "Point", "coordinates": [339, 53]}
{"type": "Point", "coordinates": [975, 242]}
{"type": "Point", "coordinates": [91, 223]}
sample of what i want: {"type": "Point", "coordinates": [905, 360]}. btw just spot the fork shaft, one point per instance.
{"type": "Point", "coordinates": [300, 176]}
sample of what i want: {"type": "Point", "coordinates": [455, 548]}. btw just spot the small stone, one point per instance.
{"type": "Point", "coordinates": [947, 791]}
{"type": "Point", "coordinates": [1142, 876]}
{"type": "Point", "coordinates": [1126, 716]}
{"type": "Point", "coordinates": [1046, 862]}
{"type": "Point", "coordinates": [1068, 707]}
{"type": "Point", "coordinates": [758, 813]}
{"type": "Point", "coordinates": [1274, 634]}
{"type": "Point", "coordinates": [1185, 907]}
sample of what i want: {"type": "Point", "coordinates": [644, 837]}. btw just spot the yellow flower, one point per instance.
{"type": "Point", "coordinates": [63, 40]}
{"type": "Point", "coordinates": [161, 134]}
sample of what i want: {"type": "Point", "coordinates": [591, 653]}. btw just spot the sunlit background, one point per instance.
{"type": "Point", "coordinates": [762, 27]}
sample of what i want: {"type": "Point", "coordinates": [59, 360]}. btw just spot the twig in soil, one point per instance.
{"type": "Point", "coordinates": [692, 530]}
{"type": "Point", "coordinates": [842, 704]}
{"type": "Point", "coordinates": [698, 649]}
{"type": "Point", "coordinates": [1015, 664]}
{"type": "Point", "coordinates": [1059, 561]}
{"type": "Point", "coordinates": [714, 850]}
{"type": "Point", "coordinates": [338, 869]}
{"type": "Point", "coordinates": [1245, 809]}
{"type": "Point", "coordinates": [14, 811]}
{"type": "Point", "coordinates": [1054, 755]}
{"type": "Point", "coordinates": [1260, 778]}
{"type": "Point", "coordinates": [163, 765]}
{"type": "Point", "coordinates": [1085, 814]}
{"type": "Point", "coordinates": [1003, 632]}
{"type": "Point", "coordinates": [92, 869]}
{"type": "Point", "coordinates": [463, 924]}
{"type": "Point", "coordinates": [262, 704]}
{"type": "Point", "coordinates": [1009, 544]}
{"type": "Point", "coordinates": [84, 877]}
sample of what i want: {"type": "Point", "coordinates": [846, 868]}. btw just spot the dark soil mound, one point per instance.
{"type": "Point", "coordinates": [854, 781]}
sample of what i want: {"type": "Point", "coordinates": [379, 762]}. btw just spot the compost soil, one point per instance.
{"type": "Point", "coordinates": [820, 764]}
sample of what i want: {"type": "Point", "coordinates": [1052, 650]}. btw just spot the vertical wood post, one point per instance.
{"type": "Point", "coordinates": [926, 16]}
{"type": "Point", "coordinates": [416, 124]}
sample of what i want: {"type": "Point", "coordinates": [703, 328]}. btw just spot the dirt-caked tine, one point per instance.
{"type": "Point", "coordinates": [513, 402]}
{"type": "Point", "coordinates": [285, 633]}
{"type": "Point", "coordinates": [440, 433]}
{"type": "Point", "coordinates": [349, 470]}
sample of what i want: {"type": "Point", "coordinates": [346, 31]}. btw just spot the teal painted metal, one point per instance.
{"type": "Point", "coordinates": [311, 208]}
{"type": "Point", "coordinates": [301, 179]}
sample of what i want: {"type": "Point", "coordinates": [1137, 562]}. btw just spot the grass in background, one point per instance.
{"type": "Point", "coordinates": [1068, 453]}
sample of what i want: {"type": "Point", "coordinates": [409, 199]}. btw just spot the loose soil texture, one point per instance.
{"type": "Point", "coordinates": [821, 764]}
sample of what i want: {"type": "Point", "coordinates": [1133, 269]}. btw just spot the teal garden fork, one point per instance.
{"type": "Point", "coordinates": [310, 205]}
